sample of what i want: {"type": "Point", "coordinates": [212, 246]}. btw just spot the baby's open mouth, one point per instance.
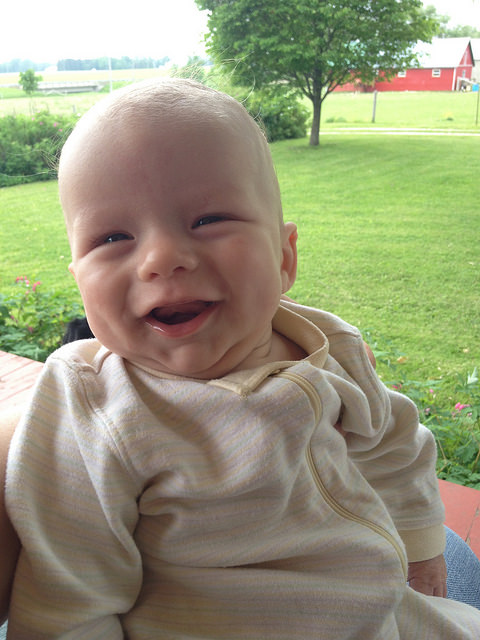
{"type": "Point", "coordinates": [181, 312]}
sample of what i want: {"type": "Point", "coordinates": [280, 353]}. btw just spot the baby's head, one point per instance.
{"type": "Point", "coordinates": [174, 219]}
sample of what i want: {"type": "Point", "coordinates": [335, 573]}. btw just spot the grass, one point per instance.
{"type": "Point", "coordinates": [33, 241]}
{"type": "Point", "coordinates": [389, 225]}
{"type": "Point", "coordinates": [389, 236]}
{"type": "Point", "coordinates": [76, 103]}
{"type": "Point", "coordinates": [435, 110]}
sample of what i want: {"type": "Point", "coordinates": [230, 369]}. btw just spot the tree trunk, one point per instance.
{"type": "Point", "coordinates": [315, 130]}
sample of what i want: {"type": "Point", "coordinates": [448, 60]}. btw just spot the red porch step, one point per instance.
{"type": "Point", "coordinates": [462, 506]}
{"type": "Point", "coordinates": [17, 376]}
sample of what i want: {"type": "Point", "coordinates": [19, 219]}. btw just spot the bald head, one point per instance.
{"type": "Point", "coordinates": [171, 102]}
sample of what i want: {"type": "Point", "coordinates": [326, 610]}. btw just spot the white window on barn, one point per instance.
{"type": "Point", "coordinates": [402, 74]}
{"type": "Point", "coordinates": [436, 73]}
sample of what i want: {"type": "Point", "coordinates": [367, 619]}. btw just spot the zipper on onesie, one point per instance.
{"type": "Point", "coordinates": [314, 398]}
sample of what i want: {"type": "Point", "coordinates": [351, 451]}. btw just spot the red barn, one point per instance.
{"type": "Point", "coordinates": [445, 65]}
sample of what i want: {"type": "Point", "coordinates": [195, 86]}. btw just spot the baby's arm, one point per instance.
{"type": "Point", "coordinates": [401, 468]}
{"type": "Point", "coordinates": [9, 543]}
{"type": "Point", "coordinates": [427, 576]}
{"type": "Point", "coordinates": [73, 502]}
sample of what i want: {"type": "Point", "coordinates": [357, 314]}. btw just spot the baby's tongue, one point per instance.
{"type": "Point", "coordinates": [179, 313]}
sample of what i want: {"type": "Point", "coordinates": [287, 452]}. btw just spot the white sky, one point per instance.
{"type": "Point", "coordinates": [460, 11]}
{"type": "Point", "coordinates": [53, 29]}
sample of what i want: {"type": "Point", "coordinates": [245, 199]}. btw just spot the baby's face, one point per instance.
{"type": "Point", "coordinates": [177, 247]}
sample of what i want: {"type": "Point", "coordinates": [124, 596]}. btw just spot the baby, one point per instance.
{"type": "Point", "coordinates": [219, 462]}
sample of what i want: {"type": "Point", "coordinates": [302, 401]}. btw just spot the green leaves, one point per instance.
{"type": "Point", "coordinates": [30, 146]}
{"type": "Point", "coordinates": [32, 321]}
{"type": "Point", "coordinates": [314, 45]}
{"type": "Point", "coordinates": [455, 425]}
{"type": "Point", "coordinates": [29, 81]}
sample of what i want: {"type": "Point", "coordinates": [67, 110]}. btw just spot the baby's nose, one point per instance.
{"type": "Point", "coordinates": [162, 256]}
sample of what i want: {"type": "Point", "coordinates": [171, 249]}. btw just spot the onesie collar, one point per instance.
{"type": "Point", "coordinates": [296, 328]}
{"type": "Point", "coordinates": [288, 323]}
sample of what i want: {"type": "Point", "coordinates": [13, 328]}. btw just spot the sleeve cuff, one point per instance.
{"type": "Point", "coordinates": [424, 544]}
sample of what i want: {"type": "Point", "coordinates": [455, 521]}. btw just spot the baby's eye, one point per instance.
{"type": "Point", "coordinates": [116, 237]}
{"type": "Point", "coordinates": [204, 220]}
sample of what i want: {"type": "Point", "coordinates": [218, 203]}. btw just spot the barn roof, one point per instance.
{"type": "Point", "coordinates": [442, 52]}
{"type": "Point", "coordinates": [475, 42]}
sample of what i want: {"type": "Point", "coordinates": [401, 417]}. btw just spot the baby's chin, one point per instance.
{"type": "Point", "coordinates": [183, 363]}
{"type": "Point", "coordinates": [195, 365]}
{"type": "Point", "coordinates": [179, 348]}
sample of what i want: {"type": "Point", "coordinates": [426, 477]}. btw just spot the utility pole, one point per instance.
{"type": "Point", "coordinates": [374, 105]}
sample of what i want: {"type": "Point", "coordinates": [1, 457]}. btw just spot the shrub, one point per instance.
{"type": "Point", "coordinates": [32, 322]}
{"type": "Point", "coordinates": [30, 146]}
{"type": "Point", "coordinates": [280, 112]}
{"type": "Point", "coordinates": [276, 108]}
{"type": "Point", "coordinates": [456, 428]}
{"type": "Point", "coordinates": [453, 417]}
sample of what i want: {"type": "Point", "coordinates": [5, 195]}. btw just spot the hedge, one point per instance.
{"type": "Point", "coordinates": [30, 146]}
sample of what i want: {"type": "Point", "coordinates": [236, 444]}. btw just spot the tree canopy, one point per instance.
{"type": "Point", "coordinates": [314, 46]}
{"type": "Point", "coordinates": [29, 81]}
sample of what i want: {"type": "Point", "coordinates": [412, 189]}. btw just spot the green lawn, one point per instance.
{"type": "Point", "coordinates": [434, 109]}
{"type": "Point", "coordinates": [33, 241]}
{"type": "Point", "coordinates": [389, 227]}
{"type": "Point", "coordinates": [389, 239]}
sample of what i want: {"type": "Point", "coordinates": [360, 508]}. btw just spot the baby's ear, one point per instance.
{"type": "Point", "coordinates": [289, 255]}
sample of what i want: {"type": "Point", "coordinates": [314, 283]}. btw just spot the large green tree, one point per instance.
{"type": "Point", "coordinates": [314, 45]}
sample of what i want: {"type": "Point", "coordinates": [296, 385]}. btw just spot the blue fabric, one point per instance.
{"type": "Point", "coordinates": [463, 582]}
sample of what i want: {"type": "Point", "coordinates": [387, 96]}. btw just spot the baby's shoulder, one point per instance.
{"type": "Point", "coordinates": [329, 323]}
{"type": "Point", "coordinates": [81, 353]}
{"type": "Point", "coordinates": [86, 361]}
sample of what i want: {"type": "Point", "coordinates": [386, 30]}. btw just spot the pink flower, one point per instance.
{"type": "Point", "coordinates": [459, 406]}
{"type": "Point", "coordinates": [35, 285]}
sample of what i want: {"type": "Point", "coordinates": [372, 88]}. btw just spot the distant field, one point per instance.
{"type": "Point", "coordinates": [79, 76]}
{"type": "Point", "coordinates": [14, 101]}
{"type": "Point", "coordinates": [436, 109]}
